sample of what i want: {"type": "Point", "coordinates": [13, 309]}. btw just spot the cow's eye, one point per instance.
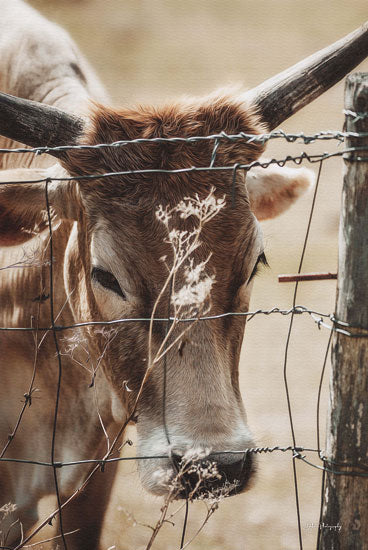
{"type": "Point", "coordinates": [107, 280]}
{"type": "Point", "coordinates": [261, 260]}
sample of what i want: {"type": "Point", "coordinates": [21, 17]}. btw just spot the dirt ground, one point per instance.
{"type": "Point", "coordinates": [150, 51]}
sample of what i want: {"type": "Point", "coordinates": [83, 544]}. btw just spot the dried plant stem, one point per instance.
{"type": "Point", "coordinates": [50, 539]}
{"type": "Point", "coordinates": [210, 511]}
{"type": "Point", "coordinates": [27, 396]}
{"type": "Point", "coordinates": [162, 518]}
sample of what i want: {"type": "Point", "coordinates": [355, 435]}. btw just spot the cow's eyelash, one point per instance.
{"type": "Point", "coordinates": [262, 260]}
{"type": "Point", "coordinates": [107, 280]}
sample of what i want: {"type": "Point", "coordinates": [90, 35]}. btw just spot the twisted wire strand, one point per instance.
{"type": "Point", "coordinates": [324, 135]}
{"type": "Point", "coordinates": [297, 452]}
{"type": "Point", "coordinates": [346, 154]}
{"type": "Point", "coordinates": [299, 309]}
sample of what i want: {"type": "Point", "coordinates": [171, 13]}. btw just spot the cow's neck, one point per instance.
{"type": "Point", "coordinates": [25, 297]}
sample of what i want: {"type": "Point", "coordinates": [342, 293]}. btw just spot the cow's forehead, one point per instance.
{"type": "Point", "coordinates": [150, 144]}
{"type": "Point", "coordinates": [121, 209]}
{"type": "Point", "coordinates": [124, 214]}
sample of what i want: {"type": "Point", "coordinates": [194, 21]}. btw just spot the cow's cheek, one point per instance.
{"type": "Point", "coordinates": [108, 304]}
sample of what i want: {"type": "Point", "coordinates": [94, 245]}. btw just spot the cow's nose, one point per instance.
{"type": "Point", "coordinates": [217, 474]}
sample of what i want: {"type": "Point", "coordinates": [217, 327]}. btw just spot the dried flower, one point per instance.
{"type": "Point", "coordinates": [198, 284]}
{"type": "Point", "coordinates": [8, 509]}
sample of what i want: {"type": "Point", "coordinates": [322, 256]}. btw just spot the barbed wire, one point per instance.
{"type": "Point", "coordinates": [300, 137]}
{"type": "Point", "coordinates": [251, 450]}
{"type": "Point", "coordinates": [317, 317]}
{"type": "Point", "coordinates": [297, 159]}
{"type": "Point", "coordinates": [296, 453]}
{"type": "Point", "coordinates": [356, 116]}
{"type": "Point", "coordinates": [298, 309]}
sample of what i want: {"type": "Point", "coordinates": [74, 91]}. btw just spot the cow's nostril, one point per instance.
{"type": "Point", "coordinates": [218, 474]}
{"type": "Point", "coordinates": [176, 460]}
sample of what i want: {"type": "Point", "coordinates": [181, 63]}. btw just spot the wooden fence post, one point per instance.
{"type": "Point", "coordinates": [344, 522]}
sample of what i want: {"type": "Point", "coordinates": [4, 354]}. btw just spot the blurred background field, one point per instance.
{"type": "Point", "coordinates": [156, 50]}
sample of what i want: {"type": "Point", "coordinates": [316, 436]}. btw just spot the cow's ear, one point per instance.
{"type": "Point", "coordinates": [23, 210]}
{"type": "Point", "coordinates": [273, 190]}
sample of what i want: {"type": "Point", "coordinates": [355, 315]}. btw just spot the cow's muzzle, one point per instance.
{"type": "Point", "coordinates": [216, 475]}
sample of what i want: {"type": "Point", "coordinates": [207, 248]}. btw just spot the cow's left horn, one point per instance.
{"type": "Point", "coordinates": [283, 95]}
{"type": "Point", "coordinates": [37, 124]}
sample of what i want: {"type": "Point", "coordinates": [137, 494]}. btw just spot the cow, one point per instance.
{"type": "Point", "coordinates": [111, 259]}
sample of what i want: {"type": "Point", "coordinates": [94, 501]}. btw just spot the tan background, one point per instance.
{"type": "Point", "coordinates": [150, 51]}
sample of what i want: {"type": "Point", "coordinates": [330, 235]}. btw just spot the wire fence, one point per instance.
{"type": "Point", "coordinates": [321, 319]}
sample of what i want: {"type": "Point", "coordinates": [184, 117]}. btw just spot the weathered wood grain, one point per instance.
{"type": "Point", "coordinates": [345, 515]}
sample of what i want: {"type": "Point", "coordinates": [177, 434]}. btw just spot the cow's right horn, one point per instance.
{"type": "Point", "coordinates": [283, 95]}
{"type": "Point", "coordinates": [37, 124]}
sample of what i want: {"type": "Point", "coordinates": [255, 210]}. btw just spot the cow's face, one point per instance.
{"type": "Point", "coordinates": [179, 380]}
{"type": "Point", "coordinates": [182, 386]}
{"type": "Point", "coordinates": [196, 380]}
